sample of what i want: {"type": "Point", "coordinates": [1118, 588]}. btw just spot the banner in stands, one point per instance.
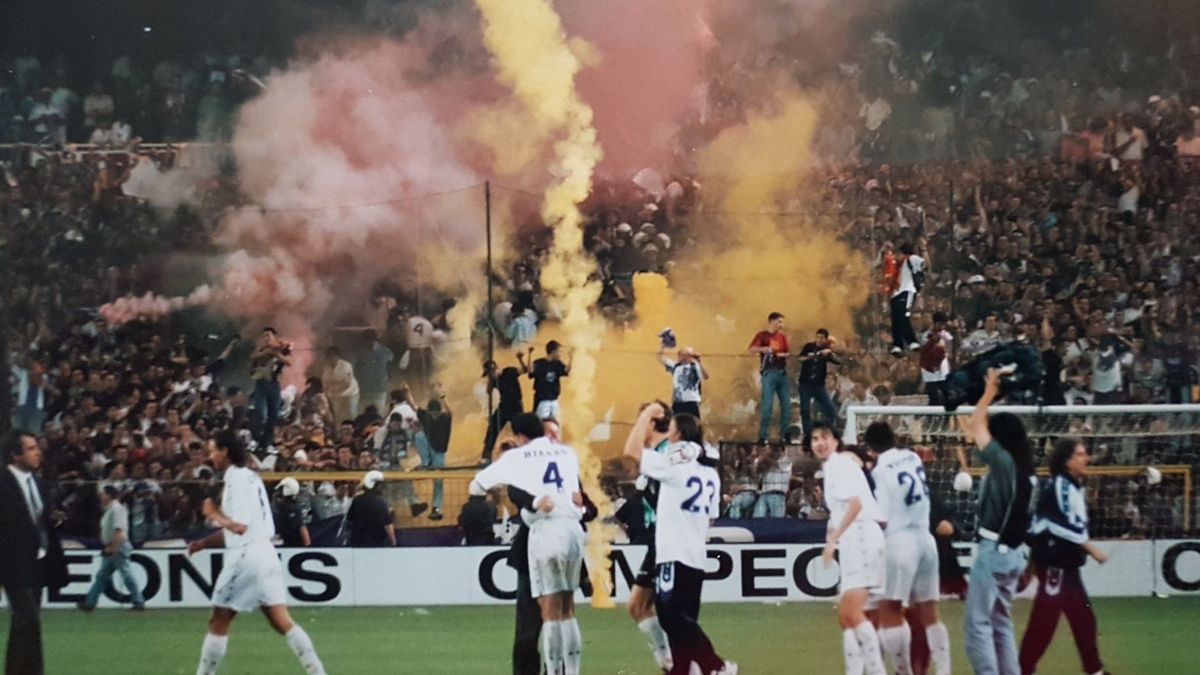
{"type": "Point", "coordinates": [479, 576]}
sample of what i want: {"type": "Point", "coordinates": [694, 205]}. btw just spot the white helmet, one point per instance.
{"type": "Point", "coordinates": [288, 487]}
{"type": "Point", "coordinates": [372, 478]}
{"type": "Point", "coordinates": [1153, 475]}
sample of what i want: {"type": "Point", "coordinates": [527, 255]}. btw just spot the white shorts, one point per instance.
{"type": "Point", "coordinates": [861, 557]}
{"type": "Point", "coordinates": [251, 578]}
{"type": "Point", "coordinates": [912, 567]}
{"type": "Point", "coordinates": [549, 410]}
{"type": "Point", "coordinates": [555, 556]}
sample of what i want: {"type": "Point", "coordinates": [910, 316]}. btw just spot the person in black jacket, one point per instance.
{"type": "Point", "coordinates": [31, 557]}
{"type": "Point", "coordinates": [478, 520]}
{"type": "Point", "coordinates": [370, 516]}
{"type": "Point", "coordinates": [290, 521]}
{"type": "Point", "coordinates": [1059, 548]}
{"type": "Point", "coordinates": [506, 383]}
{"type": "Point", "coordinates": [525, 657]}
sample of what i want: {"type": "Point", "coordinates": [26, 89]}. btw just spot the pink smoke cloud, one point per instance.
{"type": "Point", "coordinates": [150, 306]}
{"type": "Point", "coordinates": [651, 69]}
{"type": "Point", "coordinates": [342, 155]}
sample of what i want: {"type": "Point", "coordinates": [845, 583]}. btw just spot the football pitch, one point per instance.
{"type": "Point", "coordinates": [1139, 635]}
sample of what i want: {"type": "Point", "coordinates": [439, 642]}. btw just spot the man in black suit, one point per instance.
{"type": "Point", "coordinates": [30, 554]}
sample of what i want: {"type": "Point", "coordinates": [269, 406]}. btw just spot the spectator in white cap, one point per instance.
{"type": "Point", "coordinates": [370, 516]}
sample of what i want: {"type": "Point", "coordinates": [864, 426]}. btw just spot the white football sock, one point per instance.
{"type": "Point", "coordinates": [302, 647]}
{"type": "Point", "coordinates": [897, 645]}
{"type": "Point", "coordinates": [552, 647]}
{"type": "Point", "coordinates": [212, 653]}
{"type": "Point", "coordinates": [853, 652]}
{"type": "Point", "coordinates": [868, 641]}
{"type": "Point", "coordinates": [656, 637]}
{"type": "Point", "coordinates": [939, 647]}
{"type": "Point", "coordinates": [572, 641]}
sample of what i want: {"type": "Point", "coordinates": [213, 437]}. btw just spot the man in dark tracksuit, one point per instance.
{"type": "Point", "coordinates": [525, 658]}
{"type": "Point", "coordinates": [1060, 547]}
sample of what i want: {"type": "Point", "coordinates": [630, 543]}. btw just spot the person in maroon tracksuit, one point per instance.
{"type": "Point", "coordinates": [1059, 549]}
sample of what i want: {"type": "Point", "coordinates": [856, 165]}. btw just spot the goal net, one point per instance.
{"type": "Point", "coordinates": [1124, 501]}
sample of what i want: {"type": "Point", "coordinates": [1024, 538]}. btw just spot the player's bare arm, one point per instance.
{"type": "Point", "coordinates": [662, 356]}
{"type": "Point", "coordinates": [977, 424]}
{"type": "Point", "coordinates": [636, 441]}
{"type": "Point", "coordinates": [213, 513]}
{"type": "Point", "coordinates": [1096, 554]}
{"type": "Point", "coordinates": [214, 540]}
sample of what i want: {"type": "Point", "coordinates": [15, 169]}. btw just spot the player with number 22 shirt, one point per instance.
{"type": "Point", "coordinates": [912, 578]}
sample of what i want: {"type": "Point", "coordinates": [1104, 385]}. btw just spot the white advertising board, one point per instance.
{"type": "Point", "coordinates": [479, 576]}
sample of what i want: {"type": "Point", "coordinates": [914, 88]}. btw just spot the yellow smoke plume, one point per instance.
{"type": "Point", "coordinates": [534, 58]}
{"type": "Point", "coordinates": [759, 252]}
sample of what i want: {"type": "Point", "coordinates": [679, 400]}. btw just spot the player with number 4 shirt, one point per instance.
{"type": "Point", "coordinates": [549, 471]}
{"type": "Point", "coordinates": [688, 499]}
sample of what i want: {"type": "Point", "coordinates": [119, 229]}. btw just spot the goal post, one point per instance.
{"type": "Point", "coordinates": [1125, 441]}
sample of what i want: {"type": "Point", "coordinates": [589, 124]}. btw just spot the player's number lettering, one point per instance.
{"type": "Point", "coordinates": [419, 328]}
{"type": "Point", "coordinates": [553, 476]}
{"type": "Point", "coordinates": [690, 504]}
{"type": "Point", "coordinates": [913, 481]}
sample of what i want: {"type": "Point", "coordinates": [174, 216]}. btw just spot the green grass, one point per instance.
{"type": "Point", "coordinates": [1140, 635]}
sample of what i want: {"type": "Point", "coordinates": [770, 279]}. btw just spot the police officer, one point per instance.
{"type": "Point", "coordinates": [291, 522]}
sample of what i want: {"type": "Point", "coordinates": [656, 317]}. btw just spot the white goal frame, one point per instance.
{"type": "Point", "coordinates": [854, 412]}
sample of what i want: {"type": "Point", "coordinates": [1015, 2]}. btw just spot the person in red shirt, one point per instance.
{"type": "Point", "coordinates": [771, 345]}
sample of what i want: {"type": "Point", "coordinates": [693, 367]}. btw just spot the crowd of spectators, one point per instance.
{"type": "Point", "coordinates": [166, 101]}
{"type": "Point", "coordinates": [1053, 209]}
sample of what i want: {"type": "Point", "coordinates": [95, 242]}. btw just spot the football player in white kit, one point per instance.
{"type": "Point", "coordinates": [912, 557]}
{"type": "Point", "coordinates": [688, 501]}
{"type": "Point", "coordinates": [251, 577]}
{"type": "Point", "coordinates": [855, 534]}
{"type": "Point", "coordinates": [549, 471]}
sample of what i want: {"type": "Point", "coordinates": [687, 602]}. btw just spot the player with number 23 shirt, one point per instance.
{"type": "Point", "coordinates": [688, 499]}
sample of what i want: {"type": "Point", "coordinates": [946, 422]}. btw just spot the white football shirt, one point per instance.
{"type": "Point", "coordinates": [419, 332]}
{"type": "Point", "coordinates": [914, 263]}
{"type": "Point", "coordinates": [541, 468]}
{"type": "Point", "coordinates": [688, 498]}
{"type": "Point", "coordinates": [901, 490]}
{"type": "Point", "coordinates": [245, 500]}
{"type": "Point", "coordinates": [845, 480]}
{"type": "Point", "coordinates": [686, 379]}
